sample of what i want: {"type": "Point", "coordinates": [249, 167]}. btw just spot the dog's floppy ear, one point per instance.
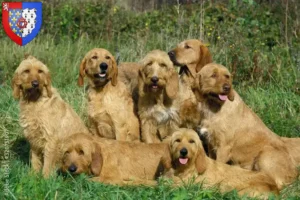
{"type": "Point", "coordinates": [97, 160]}
{"type": "Point", "coordinates": [48, 84]}
{"type": "Point", "coordinates": [231, 94]}
{"type": "Point", "coordinates": [114, 72]}
{"type": "Point", "coordinates": [197, 88]}
{"type": "Point", "coordinates": [16, 84]}
{"type": "Point", "coordinates": [141, 81]}
{"type": "Point", "coordinates": [172, 85]}
{"type": "Point", "coordinates": [81, 76]}
{"type": "Point", "coordinates": [204, 57]}
{"type": "Point", "coordinates": [200, 161]}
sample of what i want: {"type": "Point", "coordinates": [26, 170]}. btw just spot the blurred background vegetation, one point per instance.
{"type": "Point", "coordinates": [246, 32]}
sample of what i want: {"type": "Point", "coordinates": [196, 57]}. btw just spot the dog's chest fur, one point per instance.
{"type": "Point", "coordinates": [37, 126]}
{"type": "Point", "coordinates": [162, 114]}
{"type": "Point", "coordinates": [110, 100]}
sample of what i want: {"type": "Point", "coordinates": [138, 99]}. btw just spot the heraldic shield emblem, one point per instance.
{"type": "Point", "coordinates": [22, 20]}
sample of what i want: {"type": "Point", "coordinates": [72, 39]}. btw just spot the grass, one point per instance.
{"type": "Point", "coordinates": [267, 85]}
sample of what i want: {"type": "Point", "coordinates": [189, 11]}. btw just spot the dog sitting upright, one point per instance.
{"type": "Point", "coordinates": [44, 116]}
{"type": "Point", "coordinates": [110, 106]}
{"type": "Point", "coordinates": [158, 86]}
{"type": "Point", "coordinates": [235, 133]}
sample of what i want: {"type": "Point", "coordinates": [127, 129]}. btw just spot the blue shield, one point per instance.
{"type": "Point", "coordinates": [22, 21]}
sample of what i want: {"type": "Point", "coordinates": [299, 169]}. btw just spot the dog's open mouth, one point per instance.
{"type": "Point", "coordinates": [100, 78]}
{"type": "Point", "coordinates": [221, 97]}
{"type": "Point", "coordinates": [154, 87]}
{"type": "Point", "coordinates": [183, 161]}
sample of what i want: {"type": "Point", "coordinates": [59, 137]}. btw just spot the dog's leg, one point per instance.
{"type": "Point", "coordinates": [105, 130]}
{"type": "Point", "coordinates": [121, 132]}
{"type": "Point", "coordinates": [51, 156]}
{"type": "Point", "coordinates": [134, 131]}
{"type": "Point", "coordinates": [223, 154]}
{"type": "Point", "coordinates": [149, 131]}
{"type": "Point", "coordinates": [105, 126]}
{"type": "Point", "coordinates": [278, 165]}
{"type": "Point", "coordinates": [36, 160]}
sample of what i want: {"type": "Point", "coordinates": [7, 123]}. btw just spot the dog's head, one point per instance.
{"type": "Point", "coordinates": [191, 56]}
{"type": "Point", "coordinates": [187, 151]}
{"type": "Point", "coordinates": [100, 67]}
{"type": "Point", "coordinates": [214, 83]}
{"type": "Point", "coordinates": [31, 80]}
{"type": "Point", "coordinates": [157, 75]}
{"type": "Point", "coordinates": [81, 155]}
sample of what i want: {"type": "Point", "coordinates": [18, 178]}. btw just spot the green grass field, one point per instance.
{"type": "Point", "coordinates": [268, 84]}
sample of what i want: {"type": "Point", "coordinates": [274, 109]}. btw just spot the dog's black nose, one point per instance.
{"type": "Point", "coordinates": [226, 87]}
{"type": "Point", "coordinates": [183, 152]}
{"type": "Point", "coordinates": [72, 168]}
{"type": "Point", "coordinates": [103, 66]}
{"type": "Point", "coordinates": [35, 83]}
{"type": "Point", "coordinates": [171, 54]}
{"type": "Point", "coordinates": [154, 79]}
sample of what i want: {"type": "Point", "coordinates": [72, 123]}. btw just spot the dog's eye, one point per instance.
{"type": "Point", "coordinates": [178, 140]}
{"type": "Point", "coordinates": [107, 57]}
{"type": "Point", "coordinates": [187, 46]}
{"type": "Point", "coordinates": [95, 57]}
{"type": "Point", "coordinates": [40, 71]}
{"type": "Point", "coordinates": [148, 64]}
{"type": "Point", "coordinates": [214, 75]}
{"type": "Point", "coordinates": [227, 76]}
{"type": "Point", "coordinates": [191, 141]}
{"type": "Point", "coordinates": [163, 65]}
{"type": "Point", "coordinates": [27, 71]}
{"type": "Point", "coordinates": [67, 152]}
{"type": "Point", "coordinates": [81, 152]}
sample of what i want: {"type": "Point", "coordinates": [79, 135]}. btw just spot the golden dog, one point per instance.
{"type": "Point", "coordinates": [115, 162]}
{"type": "Point", "coordinates": [44, 116]}
{"type": "Point", "coordinates": [235, 132]}
{"type": "Point", "coordinates": [110, 106]}
{"type": "Point", "coordinates": [190, 56]}
{"type": "Point", "coordinates": [158, 87]}
{"type": "Point", "coordinates": [293, 145]}
{"type": "Point", "coordinates": [189, 161]}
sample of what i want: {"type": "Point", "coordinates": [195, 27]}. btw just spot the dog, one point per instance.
{"type": "Point", "coordinates": [44, 116]}
{"type": "Point", "coordinates": [110, 106]}
{"type": "Point", "coordinates": [235, 133]}
{"type": "Point", "coordinates": [190, 56]}
{"type": "Point", "coordinates": [128, 74]}
{"type": "Point", "coordinates": [158, 85]}
{"type": "Point", "coordinates": [114, 162]}
{"type": "Point", "coordinates": [189, 162]}
{"type": "Point", "coordinates": [293, 145]}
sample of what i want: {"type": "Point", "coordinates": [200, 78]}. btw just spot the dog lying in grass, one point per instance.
{"type": "Point", "coordinates": [44, 116]}
{"type": "Point", "coordinates": [114, 162]}
{"type": "Point", "coordinates": [190, 162]}
{"type": "Point", "coordinates": [235, 133]}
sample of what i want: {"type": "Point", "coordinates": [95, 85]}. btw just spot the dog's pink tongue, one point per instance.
{"type": "Point", "coordinates": [223, 97]}
{"type": "Point", "coordinates": [183, 160]}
